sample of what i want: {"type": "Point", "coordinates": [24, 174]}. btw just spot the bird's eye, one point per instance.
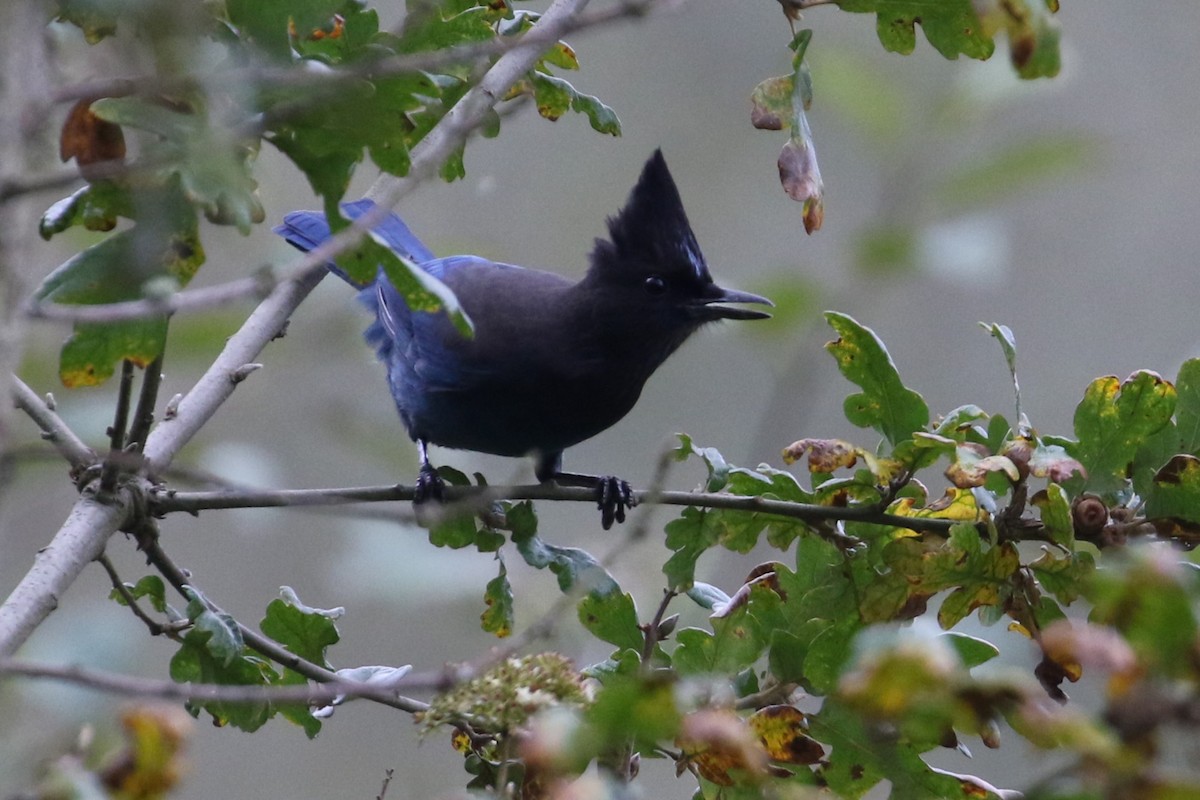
{"type": "Point", "coordinates": [655, 285]}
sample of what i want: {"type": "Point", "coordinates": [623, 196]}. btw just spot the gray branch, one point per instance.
{"type": "Point", "coordinates": [146, 688]}
{"type": "Point", "coordinates": [54, 430]}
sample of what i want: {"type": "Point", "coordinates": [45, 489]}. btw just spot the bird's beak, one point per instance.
{"type": "Point", "coordinates": [711, 305]}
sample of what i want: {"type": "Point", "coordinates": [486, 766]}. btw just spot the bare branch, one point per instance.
{"type": "Point", "coordinates": [77, 543]}
{"type": "Point", "coordinates": [191, 502]}
{"type": "Point", "coordinates": [54, 430]}
{"type": "Point", "coordinates": [146, 688]}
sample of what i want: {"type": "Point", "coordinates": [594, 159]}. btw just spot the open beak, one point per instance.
{"type": "Point", "coordinates": [712, 305]}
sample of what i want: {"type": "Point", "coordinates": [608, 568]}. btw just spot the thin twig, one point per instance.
{"type": "Point", "coordinates": [156, 629]}
{"type": "Point", "coordinates": [143, 417]}
{"type": "Point", "coordinates": [192, 502]}
{"type": "Point", "coordinates": [116, 433]}
{"type": "Point", "coordinates": [387, 779]}
{"type": "Point", "coordinates": [54, 430]}
{"type": "Point", "coordinates": [146, 688]}
{"type": "Point", "coordinates": [651, 628]}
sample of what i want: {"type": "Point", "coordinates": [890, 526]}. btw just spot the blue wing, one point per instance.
{"type": "Point", "coordinates": [423, 352]}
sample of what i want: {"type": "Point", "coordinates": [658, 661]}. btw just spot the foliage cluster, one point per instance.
{"type": "Point", "coordinates": [835, 666]}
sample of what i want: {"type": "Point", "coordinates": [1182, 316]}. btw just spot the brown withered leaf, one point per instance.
{"type": "Point", "coordinates": [801, 179]}
{"type": "Point", "coordinates": [89, 139]}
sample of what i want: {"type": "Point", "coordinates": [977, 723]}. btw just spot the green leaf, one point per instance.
{"type": "Point", "coordinates": [265, 23]}
{"type": "Point", "coordinates": [951, 26]}
{"type": "Point", "coordinates": [455, 531]}
{"type": "Point", "coordinates": [860, 759]}
{"type": "Point", "coordinates": [972, 650]}
{"type": "Point", "coordinates": [497, 618]}
{"type": "Point", "coordinates": [97, 207]}
{"type": "Point", "coordinates": [1055, 510]}
{"type": "Point", "coordinates": [1187, 408]}
{"type": "Point", "coordinates": [610, 615]}
{"type": "Point", "coordinates": [738, 638]}
{"type": "Point", "coordinates": [555, 96]}
{"type": "Point", "coordinates": [150, 586]}
{"type": "Point", "coordinates": [307, 632]}
{"type": "Point", "coordinates": [689, 536]}
{"type": "Point", "coordinates": [920, 568]}
{"type": "Point", "coordinates": [214, 167]}
{"type": "Point", "coordinates": [195, 663]}
{"type": "Point", "coordinates": [1113, 420]}
{"type": "Point", "coordinates": [641, 709]}
{"type": "Point", "coordinates": [606, 611]}
{"type": "Point", "coordinates": [885, 404]}
{"type": "Point", "coordinates": [430, 26]}
{"type": "Point", "coordinates": [1175, 496]}
{"type": "Point", "coordinates": [218, 632]}
{"type": "Point", "coordinates": [1150, 598]}
{"type": "Point", "coordinates": [1063, 576]}
{"type": "Point", "coordinates": [145, 261]}
{"type": "Point", "coordinates": [718, 468]}
{"type": "Point", "coordinates": [213, 652]}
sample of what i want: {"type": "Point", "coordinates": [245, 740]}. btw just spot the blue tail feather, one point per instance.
{"type": "Point", "coordinates": [305, 230]}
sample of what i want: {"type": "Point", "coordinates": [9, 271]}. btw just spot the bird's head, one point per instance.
{"type": "Point", "coordinates": [652, 260]}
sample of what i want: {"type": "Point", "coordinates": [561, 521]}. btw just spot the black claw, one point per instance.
{"type": "Point", "coordinates": [430, 486]}
{"type": "Point", "coordinates": [613, 497]}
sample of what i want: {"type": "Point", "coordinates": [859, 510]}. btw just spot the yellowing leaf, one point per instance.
{"type": "Point", "coordinates": [782, 730]}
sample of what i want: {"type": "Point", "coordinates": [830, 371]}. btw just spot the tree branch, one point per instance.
{"type": "Point", "coordinates": [77, 543]}
{"type": "Point", "coordinates": [54, 430]}
{"type": "Point", "coordinates": [192, 502]}
{"type": "Point", "coordinates": [144, 688]}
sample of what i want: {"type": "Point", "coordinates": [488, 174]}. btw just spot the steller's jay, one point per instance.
{"type": "Point", "coordinates": [552, 362]}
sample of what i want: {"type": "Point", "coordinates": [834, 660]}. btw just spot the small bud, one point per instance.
{"type": "Point", "coordinates": [667, 626]}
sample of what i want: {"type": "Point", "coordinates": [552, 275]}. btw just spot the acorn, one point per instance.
{"type": "Point", "coordinates": [1089, 515]}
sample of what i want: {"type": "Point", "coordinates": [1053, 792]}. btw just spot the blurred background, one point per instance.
{"type": "Point", "coordinates": [1064, 208]}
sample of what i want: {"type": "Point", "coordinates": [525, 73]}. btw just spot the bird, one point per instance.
{"type": "Point", "coordinates": [552, 361]}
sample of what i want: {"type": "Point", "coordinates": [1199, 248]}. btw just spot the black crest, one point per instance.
{"type": "Point", "coordinates": [652, 233]}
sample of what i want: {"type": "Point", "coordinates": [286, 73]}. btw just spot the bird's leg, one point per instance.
{"type": "Point", "coordinates": [429, 484]}
{"type": "Point", "coordinates": [613, 495]}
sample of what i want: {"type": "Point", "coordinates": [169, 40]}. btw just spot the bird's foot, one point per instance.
{"type": "Point", "coordinates": [613, 497]}
{"type": "Point", "coordinates": [430, 486]}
